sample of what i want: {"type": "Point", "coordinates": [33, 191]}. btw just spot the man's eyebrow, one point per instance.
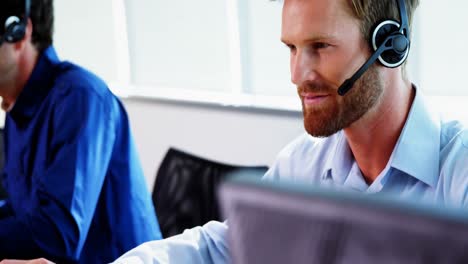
{"type": "Point", "coordinates": [317, 38]}
{"type": "Point", "coordinates": [320, 38]}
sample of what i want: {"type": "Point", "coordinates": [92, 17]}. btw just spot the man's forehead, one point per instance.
{"type": "Point", "coordinates": [317, 7]}
{"type": "Point", "coordinates": [319, 18]}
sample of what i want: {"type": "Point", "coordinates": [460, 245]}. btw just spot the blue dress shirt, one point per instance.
{"type": "Point", "coordinates": [429, 164]}
{"type": "Point", "coordinates": [76, 188]}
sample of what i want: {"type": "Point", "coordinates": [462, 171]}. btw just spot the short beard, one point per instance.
{"type": "Point", "coordinates": [338, 115]}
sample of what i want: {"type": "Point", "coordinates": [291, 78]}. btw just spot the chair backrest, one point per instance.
{"type": "Point", "coordinates": [184, 193]}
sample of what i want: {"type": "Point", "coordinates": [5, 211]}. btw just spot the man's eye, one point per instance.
{"type": "Point", "coordinates": [320, 45]}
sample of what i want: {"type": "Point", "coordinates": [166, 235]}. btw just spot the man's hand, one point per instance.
{"type": "Point", "coordinates": [33, 261]}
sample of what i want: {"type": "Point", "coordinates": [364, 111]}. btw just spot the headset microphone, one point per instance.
{"type": "Point", "coordinates": [391, 45]}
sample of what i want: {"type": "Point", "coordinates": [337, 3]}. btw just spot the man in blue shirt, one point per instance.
{"type": "Point", "coordinates": [368, 128]}
{"type": "Point", "coordinates": [76, 190]}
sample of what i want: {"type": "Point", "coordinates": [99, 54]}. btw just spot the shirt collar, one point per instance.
{"type": "Point", "coordinates": [416, 152]}
{"type": "Point", "coordinates": [37, 87]}
{"type": "Point", "coordinates": [338, 165]}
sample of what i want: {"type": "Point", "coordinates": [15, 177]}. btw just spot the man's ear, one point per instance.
{"type": "Point", "coordinates": [27, 36]}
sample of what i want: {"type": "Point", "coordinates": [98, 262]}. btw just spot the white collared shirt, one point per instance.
{"type": "Point", "coordinates": [429, 161]}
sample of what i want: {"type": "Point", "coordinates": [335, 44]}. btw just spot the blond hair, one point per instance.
{"type": "Point", "coordinates": [371, 12]}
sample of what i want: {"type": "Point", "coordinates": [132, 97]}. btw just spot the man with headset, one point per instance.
{"type": "Point", "coordinates": [368, 128]}
{"type": "Point", "coordinates": [76, 190]}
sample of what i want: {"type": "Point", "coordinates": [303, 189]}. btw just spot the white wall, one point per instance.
{"type": "Point", "coordinates": [84, 33]}
{"type": "Point", "coordinates": [233, 135]}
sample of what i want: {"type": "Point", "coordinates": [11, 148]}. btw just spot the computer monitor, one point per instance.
{"type": "Point", "coordinates": [273, 222]}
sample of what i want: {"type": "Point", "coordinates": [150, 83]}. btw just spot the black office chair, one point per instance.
{"type": "Point", "coordinates": [184, 194]}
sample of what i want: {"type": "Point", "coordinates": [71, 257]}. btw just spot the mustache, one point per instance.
{"type": "Point", "coordinates": [316, 87]}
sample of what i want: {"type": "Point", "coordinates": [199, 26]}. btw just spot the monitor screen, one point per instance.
{"type": "Point", "coordinates": [293, 223]}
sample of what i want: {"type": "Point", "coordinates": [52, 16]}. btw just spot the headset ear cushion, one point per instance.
{"type": "Point", "coordinates": [14, 29]}
{"type": "Point", "coordinates": [400, 45]}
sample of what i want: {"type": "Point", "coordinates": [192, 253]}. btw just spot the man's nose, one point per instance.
{"type": "Point", "coordinates": [303, 68]}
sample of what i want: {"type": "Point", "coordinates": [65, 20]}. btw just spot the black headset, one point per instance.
{"type": "Point", "coordinates": [15, 27]}
{"type": "Point", "coordinates": [391, 44]}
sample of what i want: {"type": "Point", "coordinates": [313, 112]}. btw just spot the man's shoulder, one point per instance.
{"type": "Point", "coordinates": [454, 149]}
{"type": "Point", "coordinates": [76, 89]}
{"type": "Point", "coordinates": [72, 78]}
{"type": "Point", "coordinates": [454, 136]}
{"type": "Point", "coordinates": [453, 167]}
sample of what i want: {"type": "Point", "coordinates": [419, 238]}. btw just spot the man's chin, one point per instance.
{"type": "Point", "coordinates": [321, 121]}
{"type": "Point", "coordinates": [320, 128]}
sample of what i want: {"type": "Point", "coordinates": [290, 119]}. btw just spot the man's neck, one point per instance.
{"type": "Point", "coordinates": [373, 137]}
